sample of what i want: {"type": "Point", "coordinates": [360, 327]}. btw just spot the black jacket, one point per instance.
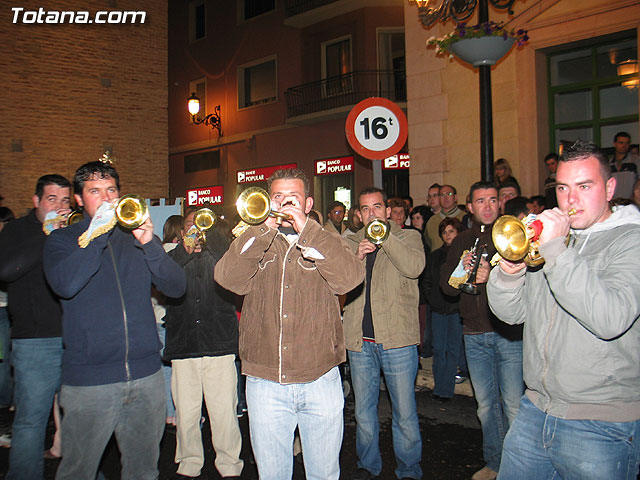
{"type": "Point", "coordinates": [430, 284]}
{"type": "Point", "coordinates": [203, 322]}
{"type": "Point", "coordinates": [34, 308]}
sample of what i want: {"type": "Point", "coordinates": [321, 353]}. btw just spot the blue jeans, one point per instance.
{"type": "Point", "coordinates": [6, 383]}
{"type": "Point", "coordinates": [495, 370]}
{"type": "Point", "coordinates": [134, 411]}
{"type": "Point", "coordinates": [540, 446]}
{"type": "Point", "coordinates": [36, 363]}
{"type": "Point", "coordinates": [315, 407]}
{"type": "Point", "coordinates": [166, 371]}
{"type": "Point", "coordinates": [400, 366]}
{"type": "Point", "coordinates": [447, 338]}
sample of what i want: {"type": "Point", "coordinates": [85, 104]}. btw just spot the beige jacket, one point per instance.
{"type": "Point", "coordinates": [290, 328]}
{"type": "Point", "coordinates": [394, 292]}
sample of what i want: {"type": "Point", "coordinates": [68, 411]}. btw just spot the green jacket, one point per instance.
{"type": "Point", "coordinates": [394, 292]}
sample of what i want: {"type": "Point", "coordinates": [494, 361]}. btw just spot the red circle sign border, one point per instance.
{"type": "Point", "coordinates": [351, 135]}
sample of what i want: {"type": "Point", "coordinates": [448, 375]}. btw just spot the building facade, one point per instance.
{"type": "Point", "coordinates": [285, 74]}
{"type": "Point", "coordinates": [79, 79]}
{"type": "Point", "coordinates": [566, 83]}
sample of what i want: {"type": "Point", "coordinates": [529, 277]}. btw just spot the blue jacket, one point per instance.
{"type": "Point", "coordinates": [109, 329]}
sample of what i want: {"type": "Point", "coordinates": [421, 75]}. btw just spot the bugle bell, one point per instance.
{"type": "Point", "coordinates": [203, 220]}
{"type": "Point", "coordinates": [254, 207]}
{"type": "Point", "coordinates": [131, 211]}
{"type": "Point", "coordinates": [517, 240]}
{"type": "Point", "coordinates": [74, 217]}
{"type": "Point", "coordinates": [377, 231]}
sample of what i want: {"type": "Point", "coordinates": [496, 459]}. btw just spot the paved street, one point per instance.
{"type": "Point", "coordinates": [452, 444]}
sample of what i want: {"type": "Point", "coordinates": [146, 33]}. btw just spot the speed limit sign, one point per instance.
{"type": "Point", "coordinates": [376, 128]}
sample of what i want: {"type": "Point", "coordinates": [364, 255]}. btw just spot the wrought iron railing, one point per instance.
{"type": "Point", "coordinates": [345, 90]}
{"type": "Point", "coordinates": [295, 7]}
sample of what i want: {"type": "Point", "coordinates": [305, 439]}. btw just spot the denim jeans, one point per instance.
{"type": "Point", "coordinates": [6, 383]}
{"type": "Point", "coordinates": [134, 411]}
{"type": "Point", "coordinates": [495, 369]}
{"type": "Point", "coordinates": [315, 407]}
{"type": "Point", "coordinates": [36, 363]}
{"type": "Point", "coordinates": [400, 366]}
{"type": "Point", "coordinates": [540, 446]}
{"type": "Point", "coordinates": [166, 371]}
{"type": "Point", "coordinates": [447, 338]}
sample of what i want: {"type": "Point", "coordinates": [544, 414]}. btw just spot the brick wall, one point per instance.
{"type": "Point", "coordinates": [70, 90]}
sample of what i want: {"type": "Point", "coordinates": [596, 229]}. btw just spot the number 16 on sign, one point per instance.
{"type": "Point", "coordinates": [376, 128]}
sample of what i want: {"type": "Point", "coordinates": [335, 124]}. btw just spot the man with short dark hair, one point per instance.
{"type": "Point", "coordinates": [381, 333]}
{"type": "Point", "coordinates": [111, 378]}
{"type": "Point", "coordinates": [624, 165]}
{"type": "Point", "coordinates": [448, 198]}
{"type": "Point", "coordinates": [551, 162]}
{"type": "Point", "coordinates": [335, 217]}
{"type": "Point", "coordinates": [537, 204]}
{"type": "Point", "coordinates": [493, 349]}
{"type": "Point", "coordinates": [36, 331]}
{"type": "Point", "coordinates": [507, 191]}
{"type": "Point", "coordinates": [580, 416]}
{"type": "Point", "coordinates": [291, 339]}
{"type": "Point", "coordinates": [517, 207]}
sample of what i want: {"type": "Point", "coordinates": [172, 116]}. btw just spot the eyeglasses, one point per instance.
{"type": "Point", "coordinates": [448, 194]}
{"type": "Point", "coordinates": [336, 212]}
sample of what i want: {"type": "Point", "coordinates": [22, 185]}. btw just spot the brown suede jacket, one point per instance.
{"type": "Point", "coordinates": [290, 328]}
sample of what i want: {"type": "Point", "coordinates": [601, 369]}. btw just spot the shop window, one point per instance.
{"type": "Point", "coordinates": [593, 92]}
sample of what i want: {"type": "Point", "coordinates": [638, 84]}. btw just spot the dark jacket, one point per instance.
{"type": "Point", "coordinates": [474, 309]}
{"type": "Point", "coordinates": [109, 328]}
{"type": "Point", "coordinates": [203, 321]}
{"type": "Point", "coordinates": [34, 308]}
{"type": "Point", "coordinates": [430, 284]}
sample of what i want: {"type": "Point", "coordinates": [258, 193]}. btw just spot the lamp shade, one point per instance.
{"type": "Point", "coordinates": [629, 67]}
{"type": "Point", "coordinates": [194, 104]}
{"type": "Point", "coordinates": [483, 50]}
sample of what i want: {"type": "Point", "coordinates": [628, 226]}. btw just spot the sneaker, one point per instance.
{"type": "Point", "coordinates": [461, 379]}
{"type": "Point", "coordinates": [485, 473]}
{"type": "Point", "coordinates": [5, 440]}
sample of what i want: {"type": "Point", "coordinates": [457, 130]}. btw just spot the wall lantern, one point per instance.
{"type": "Point", "coordinates": [213, 120]}
{"type": "Point", "coordinates": [629, 67]}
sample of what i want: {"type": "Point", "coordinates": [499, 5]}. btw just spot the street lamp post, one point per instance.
{"type": "Point", "coordinates": [431, 11]}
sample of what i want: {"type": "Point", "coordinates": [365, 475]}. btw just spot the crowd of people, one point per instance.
{"type": "Point", "coordinates": [263, 323]}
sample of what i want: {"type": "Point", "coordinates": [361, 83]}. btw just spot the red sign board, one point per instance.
{"type": "Point", "coordinates": [200, 196]}
{"type": "Point", "coordinates": [261, 174]}
{"type": "Point", "coordinates": [376, 128]}
{"type": "Point", "coordinates": [400, 161]}
{"type": "Point", "coordinates": [332, 166]}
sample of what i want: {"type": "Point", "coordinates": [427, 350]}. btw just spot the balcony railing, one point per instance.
{"type": "Point", "coordinates": [344, 90]}
{"type": "Point", "coordinates": [296, 7]}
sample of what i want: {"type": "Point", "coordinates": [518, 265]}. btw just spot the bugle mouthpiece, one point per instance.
{"type": "Point", "coordinates": [573, 211]}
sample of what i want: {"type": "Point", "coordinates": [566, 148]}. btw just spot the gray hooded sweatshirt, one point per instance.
{"type": "Point", "coordinates": [581, 350]}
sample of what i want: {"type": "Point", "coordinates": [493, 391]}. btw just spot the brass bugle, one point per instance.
{"type": "Point", "coordinates": [377, 231]}
{"type": "Point", "coordinates": [204, 220]}
{"type": "Point", "coordinates": [254, 207]}
{"type": "Point", "coordinates": [516, 241]}
{"type": "Point", "coordinates": [74, 217]}
{"type": "Point", "coordinates": [131, 211]}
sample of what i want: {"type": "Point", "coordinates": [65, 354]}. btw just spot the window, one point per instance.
{"type": "Point", "coordinates": [336, 66]}
{"type": "Point", "coordinates": [197, 20]}
{"type": "Point", "coordinates": [202, 161]}
{"type": "Point", "coordinates": [199, 87]}
{"type": "Point", "coordinates": [253, 8]}
{"type": "Point", "coordinates": [392, 64]}
{"type": "Point", "coordinates": [590, 95]}
{"type": "Point", "coordinates": [257, 83]}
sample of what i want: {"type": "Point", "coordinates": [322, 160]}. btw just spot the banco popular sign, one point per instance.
{"type": "Point", "coordinates": [200, 196]}
{"type": "Point", "coordinates": [334, 165]}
